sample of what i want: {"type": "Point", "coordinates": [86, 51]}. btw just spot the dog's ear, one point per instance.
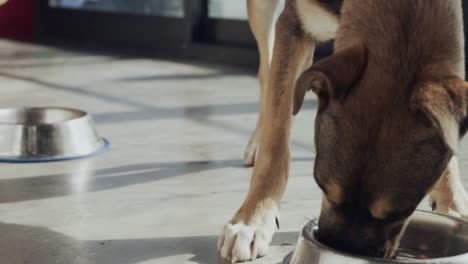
{"type": "Point", "coordinates": [333, 76]}
{"type": "Point", "coordinates": [445, 103]}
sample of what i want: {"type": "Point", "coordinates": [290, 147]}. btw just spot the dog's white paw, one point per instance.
{"type": "Point", "coordinates": [454, 206]}
{"type": "Point", "coordinates": [240, 242]}
{"type": "Point", "coordinates": [460, 210]}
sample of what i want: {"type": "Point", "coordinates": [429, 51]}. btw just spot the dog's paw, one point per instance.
{"type": "Point", "coordinates": [243, 240]}
{"type": "Point", "coordinates": [449, 208]}
{"type": "Point", "coordinates": [461, 210]}
{"type": "Point", "coordinates": [240, 242]}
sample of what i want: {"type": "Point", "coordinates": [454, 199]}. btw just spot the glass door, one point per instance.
{"type": "Point", "coordinates": [171, 8]}
{"type": "Point", "coordinates": [228, 9]}
{"type": "Point", "coordinates": [161, 24]}
{"type": "Point", "coordinates": [226, 23]}
{"type": "Point", "coordinates": [204, 29]}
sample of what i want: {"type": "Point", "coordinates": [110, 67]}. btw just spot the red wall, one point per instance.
{"type": "Point", "coordinates": [17, 18]}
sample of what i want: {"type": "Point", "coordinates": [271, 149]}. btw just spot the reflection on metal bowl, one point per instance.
{"type": "Point", "coordinates": [47, 134]}
{"type": "Point", "coordinates": [430, 238]}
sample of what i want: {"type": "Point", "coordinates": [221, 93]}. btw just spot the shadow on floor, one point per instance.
{"type": "Point", "coordinates": [21, 244]}
{"type": "Point", "coordinates": [48, 186]}
{"type": "Point", "coordinates": [193, 112]}
{"type": "Point", "coordinates": [148, 111]}
{"type": "Point", "coordinates": [220, 72]}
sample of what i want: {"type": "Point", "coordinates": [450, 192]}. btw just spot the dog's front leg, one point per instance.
{"type": "Point", "coordinates": [249, 233]}
{"type": "Point", "coordinates": [449, 195]}
{"type": "Point", "coordinates": [262, 22]}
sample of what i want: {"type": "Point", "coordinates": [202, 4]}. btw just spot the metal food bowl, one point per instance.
{"type": "Point", "coordinates": [47, 134]}
{"type": "Point", "coordinates": [430, 238]}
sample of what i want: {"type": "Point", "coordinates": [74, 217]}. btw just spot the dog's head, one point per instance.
{"type": "Point", "coordinates": [378, 152]}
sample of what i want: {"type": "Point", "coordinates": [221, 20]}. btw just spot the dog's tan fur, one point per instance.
{"type": "Point", "coordinates": [391, 101]}
{"type": "Point", "coordinates": [261, 15]}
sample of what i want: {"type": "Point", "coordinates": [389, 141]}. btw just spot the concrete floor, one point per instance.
{"type": "Point", "coordinates": [173, 176]}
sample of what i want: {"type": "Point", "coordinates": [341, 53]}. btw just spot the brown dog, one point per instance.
{"type": "Point", "coordinates": [392, 109]}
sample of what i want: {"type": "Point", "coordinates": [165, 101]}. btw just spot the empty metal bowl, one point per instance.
{"type": "Point", "coordinates": [47, 134]}
{"type": "Point", "coordinates": [430, 238]}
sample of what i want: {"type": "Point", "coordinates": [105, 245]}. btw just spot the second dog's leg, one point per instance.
{"type": "Point", "coordinates": [449, 195]}
{"type": "Point", "coordinates": [262, 23]}
{"type": "Point", "coordinates": [250, 231]}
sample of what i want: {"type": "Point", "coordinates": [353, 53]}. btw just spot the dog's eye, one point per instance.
{"type": "Point", "coordinates": [339, 206]}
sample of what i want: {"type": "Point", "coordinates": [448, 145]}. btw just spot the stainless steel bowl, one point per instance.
{"type": "Point", "coordinates": [430, 238]}
{"type": "Point", "coordinates": [47, 134]}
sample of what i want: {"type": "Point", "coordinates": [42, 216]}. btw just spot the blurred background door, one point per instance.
{"type": "Point", "coordinates": [172, 8]}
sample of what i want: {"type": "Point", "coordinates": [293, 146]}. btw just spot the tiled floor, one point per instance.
{"type": "Point", "coordinates": [173, 176]}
